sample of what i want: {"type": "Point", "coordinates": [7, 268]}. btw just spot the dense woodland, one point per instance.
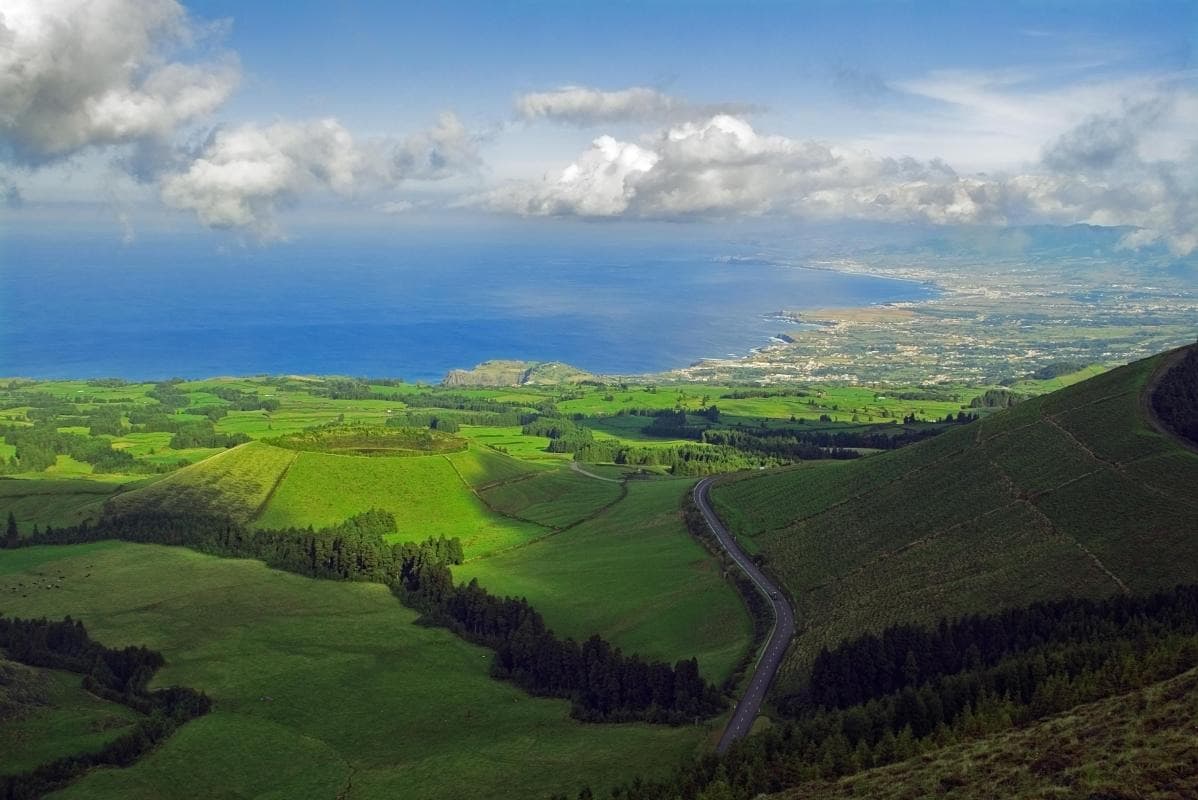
{"type": "Point", "coordinates": [887, 697]}
{"type": "Point", "coordinates": [120, 676]}
{"type": "Point", "coordinates": [1175, 399]}
{"type": "Point", "coordinates": [604, 684]}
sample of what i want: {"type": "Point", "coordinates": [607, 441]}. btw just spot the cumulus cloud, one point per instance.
{"type": "Point", "coordinates": [242, 175]}
{"type": "Point", "coordinates": [78, 73]}
{"type": "Point", "coordinates": [724, 167]}
{"type": "Point", "coordinates": [1097, 173]}
{"type": "Point", "coordinates": [586, 106]}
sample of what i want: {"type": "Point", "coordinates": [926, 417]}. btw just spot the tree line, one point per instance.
{"type": "Point", "coordinates": [120, 676]}
{"type": "Point", "coordinates": [603, 683]}
{"type": "Point", "coordinates": [970, 678]}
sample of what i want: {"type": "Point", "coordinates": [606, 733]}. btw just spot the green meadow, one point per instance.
{"type": "Point", "coordinates": [45, 714]}
{"type": "Point", "coordinates": [425, 493]}
{"type": "Point", "coordinates": [632, 574]}
{"type": "Point", "coordinates": [327, 689]}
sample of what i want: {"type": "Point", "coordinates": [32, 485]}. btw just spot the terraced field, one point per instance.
{"type": "Point", "coordinates": [1070, 493]}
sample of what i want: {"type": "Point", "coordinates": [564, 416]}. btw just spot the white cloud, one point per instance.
{"type": "Point", "coordinates": [586, 106]}
{"type": "Point", "coordinates": [1097, 173]}
{"type": "Point", "coordinates": [77, 73]}
{"type": "Point", "coordinates": [243, 174]}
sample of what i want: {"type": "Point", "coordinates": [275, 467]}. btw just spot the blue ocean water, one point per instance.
{"type": "Point", "coordinates": [410, 307]}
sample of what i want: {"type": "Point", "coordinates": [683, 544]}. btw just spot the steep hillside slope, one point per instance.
{"type": "Point", "coordinates": [1072, 493]}
{"type": "Point", "coordinates": [1141, 745]}
{"type": "Point", "coordinates": [237, 483]}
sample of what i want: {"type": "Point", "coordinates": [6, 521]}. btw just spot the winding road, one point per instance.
{"type": "Point", "coordinates": [775, 647]}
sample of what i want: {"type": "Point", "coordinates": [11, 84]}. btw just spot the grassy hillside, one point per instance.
{"type": "Point", "coordinates": [236, 482]}
{"type": "Point", "coordinates": [1139, 745]}
{"type": "Point", "coordinates": [632, 574]}
{"type": "Point", "coordinates": [321, 686]}
{"type": "Point", "coordinates": [556, 498]}
{"type": "Point", "coordinates": [424, 493]}
{"type": "Point", "coordinates": [1068, 493]}
{"type": "Point", "coordinates": [44, 502]}
{"type": "Point", "coordinates": [481, 466]}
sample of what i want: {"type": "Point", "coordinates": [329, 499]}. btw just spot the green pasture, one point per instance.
{"type": "Point", "coordinates": [554, 498]}
{"type": "Point", "coordinates": [320, 688]}
{"type": "Point", "coordinates": [45, 714]}
{"type": "Point", "coordinates": [632, 574]}
{"type": "Point", "coordinates": [423, 492]}
{"type": "Point", "coordinates": [510, 440]}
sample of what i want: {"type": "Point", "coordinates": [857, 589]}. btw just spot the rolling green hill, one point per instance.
{"type": "Point", "coordinates": [1139, 745]}
{"type": "Point", "coordinates": [1072, 493]}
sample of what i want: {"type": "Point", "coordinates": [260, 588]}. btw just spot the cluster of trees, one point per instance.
{"type": "Point", "coordinates": [996, 398]}
{"type": "Point", "coordinates": [202, 433]}
{"type": "Point", "coordinates": [565, 435]}
{"type": "Point", "coordinates": [39, 446]}
{"type": "Point", "coordinates": [1131, 643]}
{"type": "Point", "coordinates": [450, 423]}
{"type": "Point", "coordinates": [788, 445]}
{"type": "Point", "coordinates": [684, 459]}
{"type": "Point", "coordinates": [748, 394]}
{"type": "Point", "coordinates": [603, 683]}
{"type": "Point", "coordinates": [244, 401]}
{"type": "Point", "coordinates": [676, 425]}
{"type": "Point", "coordinates": [106, 421]}
{"type": "Point", "coordinates": [1057, 369]}
{"type": "Point", "coordinates": [117, 675]}
{"type": "Point", "coordinates": [169, 395]}
{"type": "Point", "coordinates": [1175, 399]}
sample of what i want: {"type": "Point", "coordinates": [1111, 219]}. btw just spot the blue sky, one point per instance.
{"type": "Point", "coordinates": [253, 118]}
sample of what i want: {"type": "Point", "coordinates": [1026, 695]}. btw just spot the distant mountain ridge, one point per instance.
{"type": "Point", "coordinates": [516, 373]}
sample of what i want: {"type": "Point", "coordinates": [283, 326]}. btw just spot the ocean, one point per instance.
{"type": "Point", "coordinates": [411, 307]}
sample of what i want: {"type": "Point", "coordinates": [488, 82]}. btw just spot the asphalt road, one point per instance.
{"type": "Point", "coordinates": [775, 647]}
